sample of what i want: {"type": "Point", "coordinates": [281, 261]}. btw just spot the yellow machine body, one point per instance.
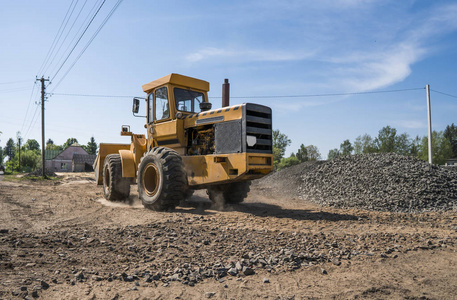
{"type": "Point", "coordinates": [199, 137]}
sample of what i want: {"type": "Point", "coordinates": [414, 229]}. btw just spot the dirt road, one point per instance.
{"type": "Point", "coordinates": [62, 240]}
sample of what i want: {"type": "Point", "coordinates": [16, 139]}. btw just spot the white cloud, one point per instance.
{"type": "Point", "coordinates": [382, 69]}
{"type": "Point", "coordinates": [370, 70]}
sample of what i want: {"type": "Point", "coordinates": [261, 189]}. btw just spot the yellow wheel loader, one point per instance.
{"type": "Point", "coordinates": [188, 146]}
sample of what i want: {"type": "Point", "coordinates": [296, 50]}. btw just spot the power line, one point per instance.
{"type": "Point", "coordinates": [14, 82]}
{"type": "Point", "coordinates": [77, 42]}
{"type": "Point", "coordinates": [68, 32]}
{"type": "Point", "coordinates": [28, 106]}
{"type": "Point", "coordinates": [449, 95]}
{"type": "Point", "coordinates": [253, 97]}
{"type": "Point", "coordinates": [90, 41]}
{"type": "Point", "coordinates": [32, 122]}
{"type": "Point", "coordinates": [55, 41]}
{"type": "Point", "coordinates": [83, 24]}
{"type": "Point", "coordinates": [325, 95]}
{"type": "Point", "coordinates": [18, 89]}
{"type": "Point", "coordinates": [87, 95]}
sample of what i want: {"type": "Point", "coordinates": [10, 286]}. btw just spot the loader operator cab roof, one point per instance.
{"type": "Point", "coordinates": [177, 79]}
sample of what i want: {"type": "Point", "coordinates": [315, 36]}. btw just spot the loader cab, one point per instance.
{"type": "Point", "coordinates": [171, 99]}
{"type": "Point", "coordinates": [167, 101]}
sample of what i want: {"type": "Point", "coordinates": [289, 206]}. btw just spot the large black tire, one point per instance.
{"type": "Point", "coordinates": [162, 179]}
{"type": "Point", "coordinates": [115, 187]}
{"type": "Point", "coordinates": [232, 193]}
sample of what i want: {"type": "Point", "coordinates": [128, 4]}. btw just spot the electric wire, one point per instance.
{"type": "Point", "coordinates": [255, 97]}
{"type": "Point", "coordinates": [32, 121]}
{"type": "Point", "coordinates": [55, 41]}
{"type": "Point", "coordinates": [17, 89]}
{"type": "Point", "coordinates": [89, 42]}
{"type": "Point", "coordinates": [88, 95]}
{"type": "Point", "coordinates": [28, 106]}
{"type": "Point", "coordinates": [77, 34]}
{"type": "Point", "coordinates": [324, 95]}
{"type": "Point", "coordinates": [68, 32]}
{"type": "Point", "coordinates": [79, 39]}
{"type": "Point", "coordinates": [449, 95]}
{"type": "Point", "coordinates": [14, 82]}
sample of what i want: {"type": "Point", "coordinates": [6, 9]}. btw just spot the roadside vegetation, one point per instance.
{"type": "Point", "coordinates": [388, 140]}
{"type": "Point", "coordinates": [18, 157]}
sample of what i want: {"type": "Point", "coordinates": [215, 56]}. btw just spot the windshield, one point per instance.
{"type": "Point", "coordinates": [187, 100]}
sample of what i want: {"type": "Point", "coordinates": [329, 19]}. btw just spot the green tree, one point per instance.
{"type": "Point", "coordinates": [386, 140]}
{"type": "Point", "coordinates": [280, 143]}
{"type": "Point", "coordinates": [30, 160]}
{"type": "Point", "coordinates": [441, 148]}
{"type": "Point", "coordinates": [333, 153]}
{"type": "Point", "coordinates": [69, 142]}
{"type": "Point", "coordinates": [91, 147]}
{"type": "Point", "coordinates": [10, 149]}
{"type": "Point", "coordinates": [302, 153]}
{"type": "Point", "coordinates": [32, 145]}
{"type": "Point", "coordinates": [450, 133]}
{"type": "Point", "coordinates": [1, 156]}
{"type": "Point", "coordinates": [346, 148]}
{"type": "Point", "coordinates": [51, 146]}
{"type": "Point", "coordinates": [364, 144]}
{"type": "Point", "coordinates": [415, 147]}
{"type": "Point", "coordinates": [288, 162]}
{"type": "Point", "coordinates": [313, 153]}
{"type": "Point", "coordinates": [403, 144]}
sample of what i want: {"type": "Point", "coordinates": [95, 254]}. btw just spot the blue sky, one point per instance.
{"type": "Point", "coordinates": [265, 48]}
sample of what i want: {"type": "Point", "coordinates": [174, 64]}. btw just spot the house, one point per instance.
{"type": "Point", "coordinates": [83, 163]}
{"type": "Point", "coordinates": [62, 161]}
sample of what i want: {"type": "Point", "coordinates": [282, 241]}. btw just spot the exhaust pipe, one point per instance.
{"type": "Point", "coordinates": [226, 93]}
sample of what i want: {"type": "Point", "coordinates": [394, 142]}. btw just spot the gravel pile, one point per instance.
{"type": "Point", "coordinates": [382, 181]}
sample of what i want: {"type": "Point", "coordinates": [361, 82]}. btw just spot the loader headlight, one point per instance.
{"type": "Point", "coordinates": [251, 140]}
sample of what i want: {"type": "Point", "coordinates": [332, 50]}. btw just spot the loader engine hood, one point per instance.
{"type": "Point", "coordinates": [239, 128]}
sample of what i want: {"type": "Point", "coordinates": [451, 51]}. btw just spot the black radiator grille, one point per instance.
{"type": "Point", "coordinates": [257, 121]}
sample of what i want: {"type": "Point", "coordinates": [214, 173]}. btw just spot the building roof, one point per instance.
{"type": "Point", "coordinates": [51, 154]}
{"type": "Point", "coordinates": [84, 158]}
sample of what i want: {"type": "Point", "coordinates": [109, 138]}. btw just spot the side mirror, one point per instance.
{"type": "Point", "coordinates": [136, 105]}
{"type": "Point", "coordinates": [204, 106]}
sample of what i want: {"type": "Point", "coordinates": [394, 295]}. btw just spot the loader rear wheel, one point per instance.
{"type": "Point", "coordinates": [162, 180]}
{"type": "Point", "coordinates": [115, 187]}
{"type": "Point", "coordinates": [232, 193]}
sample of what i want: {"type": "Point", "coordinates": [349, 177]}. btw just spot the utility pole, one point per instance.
{"type": "Point", "coordinates": [43, 157]}
{"type": "Point", "coordinates": [429, 114]}
{"type": "Point", "coordinates": [19, 141]}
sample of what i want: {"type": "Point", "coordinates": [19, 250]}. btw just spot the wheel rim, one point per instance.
{"type": "Point", "coordinates": [150, 179]}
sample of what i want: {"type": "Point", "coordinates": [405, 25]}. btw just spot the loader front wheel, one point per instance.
{"type": "Point", "coordinates": [162, 180]}
{"type": "Point", "coordinates": [115, 187]}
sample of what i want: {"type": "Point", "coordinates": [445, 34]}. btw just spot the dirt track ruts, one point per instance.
{"type": "Point", "coordinates": [62, 234]}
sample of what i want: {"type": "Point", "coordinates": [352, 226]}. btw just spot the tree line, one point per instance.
{"type": "Point", "coordinates": [304, 153]}
{"type": "Point", "coordinates": [444, 145]}
{"type": "Point", "coordinates": [26, 157]}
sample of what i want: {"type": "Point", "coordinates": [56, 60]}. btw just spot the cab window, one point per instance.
{"type": "Point", "coordinates": [151, 107]}
{"type": "Point", "coordinates": [187, 100]}
{"type": "Point", "coordinates": [162, 110]}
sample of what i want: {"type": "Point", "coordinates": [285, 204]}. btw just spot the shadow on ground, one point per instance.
{"type": "Point", "coordinates": [201, 204]}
